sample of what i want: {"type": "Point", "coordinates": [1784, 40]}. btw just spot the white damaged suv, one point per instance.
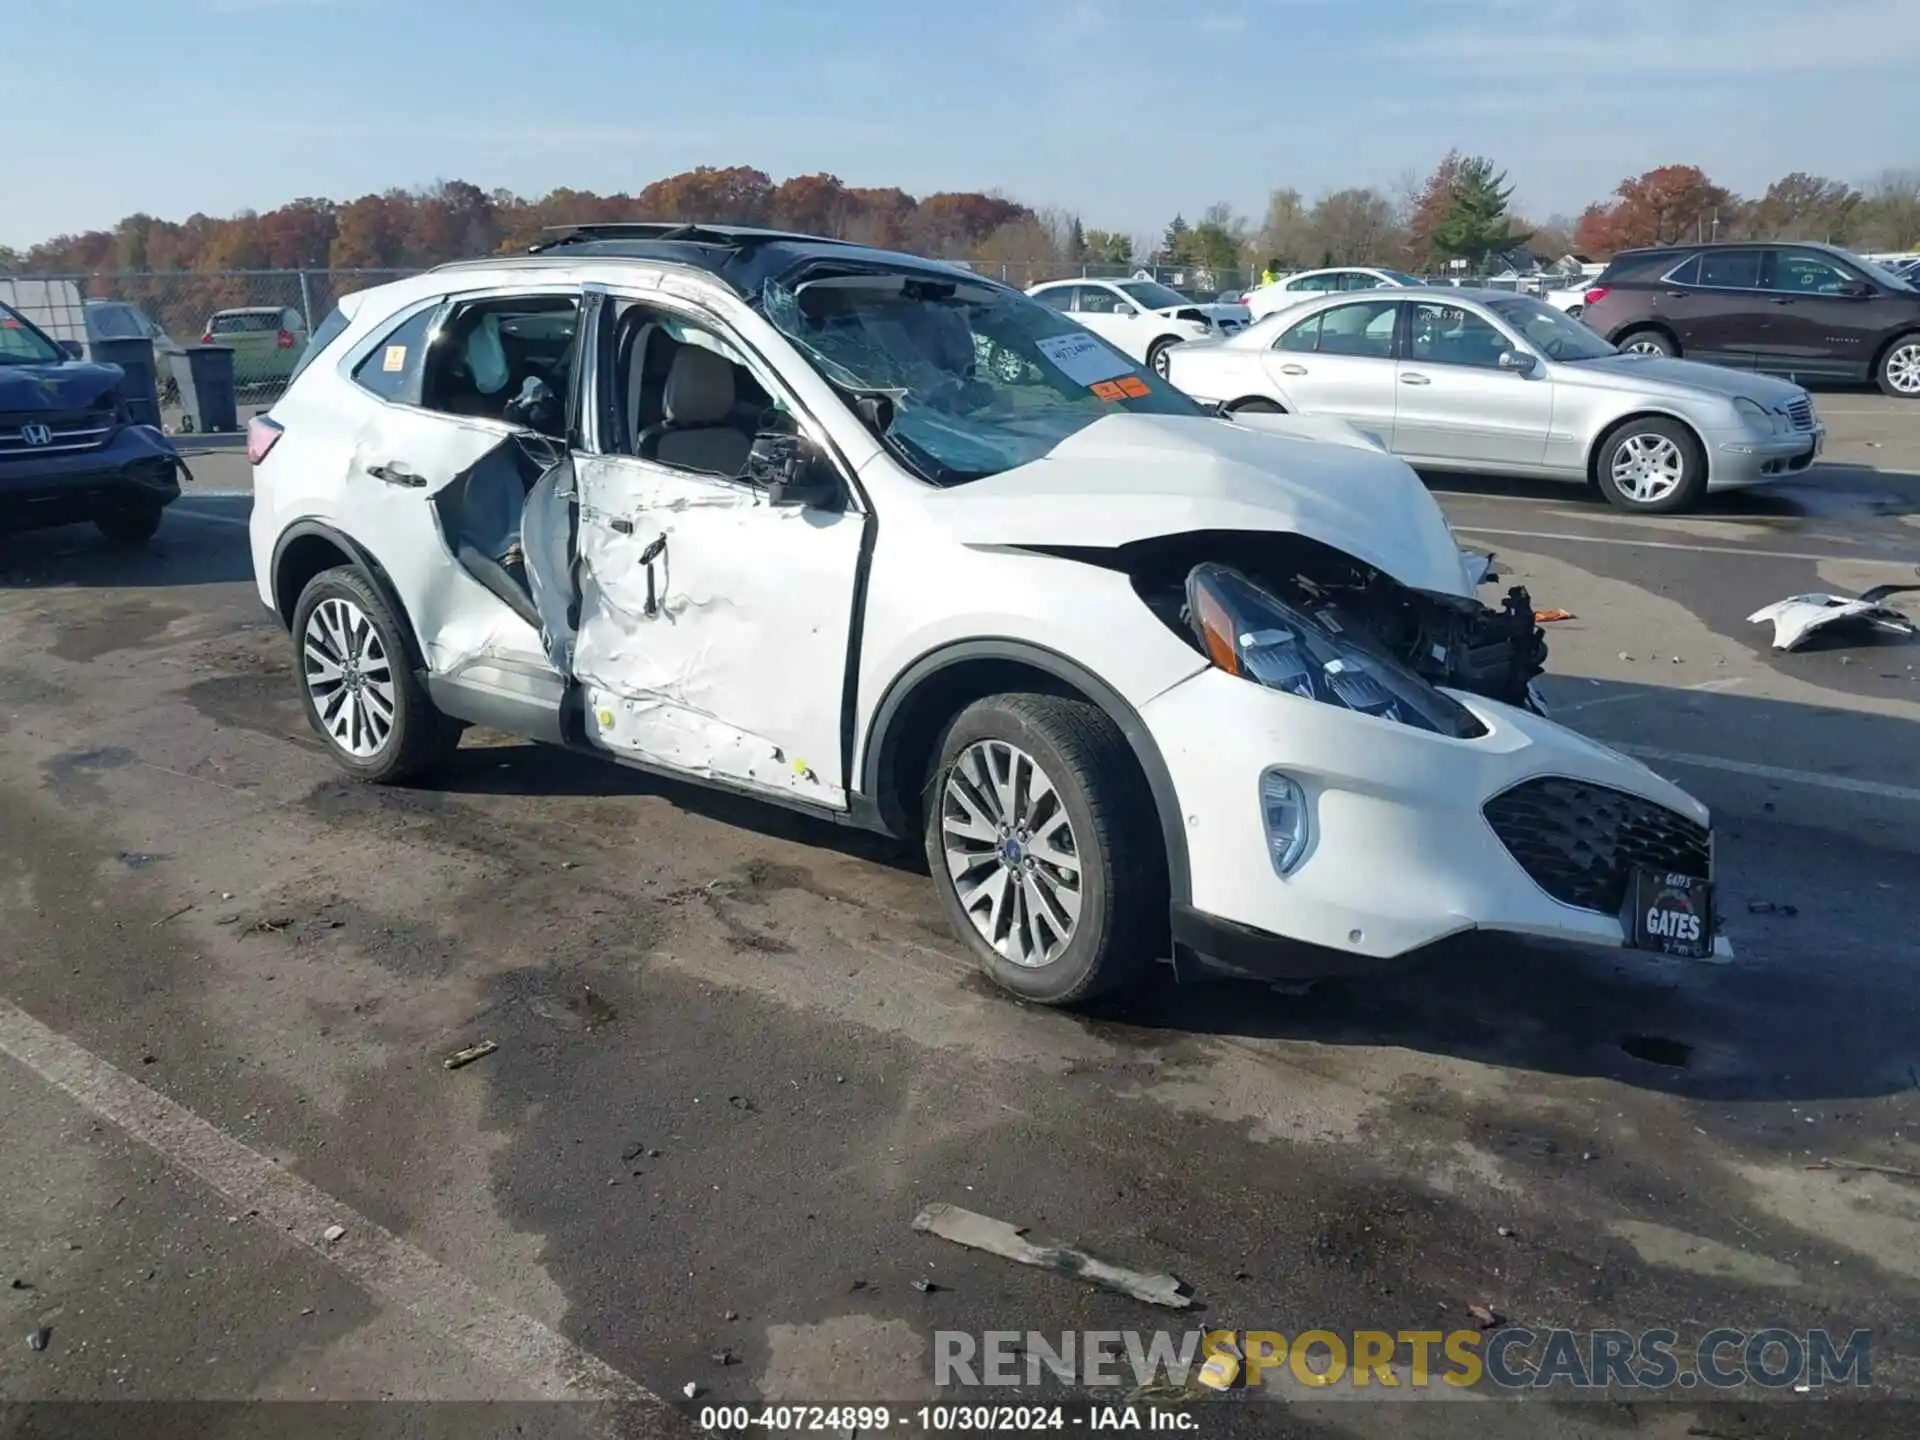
{"type": "Point", "coordinates": [751, 510]}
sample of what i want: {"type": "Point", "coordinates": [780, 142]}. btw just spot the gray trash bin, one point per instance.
{"type": "Point", "coordinates": [204, 375]}
{"type": "Point", "coordinates": [142, 385]}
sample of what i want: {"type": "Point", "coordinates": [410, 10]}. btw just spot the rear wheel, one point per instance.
{"type": "Point", "coordinates": [1652, 466]}
{"type": "Point", "coordinates": [360, 691]}
{"type": "Point", "coordinates": [127, 521]}
{"type": "Point", "coordinates": [1649, 342]}
{"type": "Point", "coordinates": [1256, 406]}
{"type": "Point", "coordinates": [1899, 373]}
{"type": "Point", "coordinates": [1044, 845]}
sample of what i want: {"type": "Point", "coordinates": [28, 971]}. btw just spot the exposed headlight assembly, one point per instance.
{"type": "Point", "coordinates": [1249, 632]}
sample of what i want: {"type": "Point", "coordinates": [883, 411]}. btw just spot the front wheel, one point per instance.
{"type": "Point", "coordinates": [128, 522]}
{"type": "Point", "coordinates": [1652, 466]}
{"type": "Point", "coordinates": [1043, 841]}
{"type": "Point", "coordinates": [361, 694]}
{"type": "Point", "coordinates": [1157, 353]}
{"type": "Point", "coordinates": [1899, 373]}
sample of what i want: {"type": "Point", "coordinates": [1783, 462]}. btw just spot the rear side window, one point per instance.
{"type": "Point", "coordinates": [391, 369]}
{"type": "Point", "coordinates": [328, 332]}
{"type": "Point", "coordinates": [245, 323]}
{"type": "Point", "coordinates": [1731, 269]}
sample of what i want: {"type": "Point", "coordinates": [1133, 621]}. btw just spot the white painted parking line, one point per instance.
{"type": "Point", "coordinates": [1743, 550]}
{"type": "Point", "coordinates": [1846, 783]}
{"type": "Point", "coordinates": [190, 514]}
{"type": "Point", "coordinates": [517, 1347]}
{"type": "Point", "coordinates": [198, 494]}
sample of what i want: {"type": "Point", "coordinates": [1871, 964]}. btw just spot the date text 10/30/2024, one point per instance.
{"type": "Point", "coordinates": [994, 1419]}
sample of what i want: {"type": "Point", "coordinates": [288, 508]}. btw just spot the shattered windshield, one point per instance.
{"type": "Point", "coordinates": [969, 378]}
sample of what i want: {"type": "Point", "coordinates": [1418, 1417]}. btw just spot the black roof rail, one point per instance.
{"type": "Point", "coordinates": [732, 237]}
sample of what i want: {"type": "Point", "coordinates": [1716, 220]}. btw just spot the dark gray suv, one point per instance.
{"type": "Point", "coordinates": [1813, 312]}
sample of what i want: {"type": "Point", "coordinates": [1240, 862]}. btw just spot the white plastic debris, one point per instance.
{"type": "Point", "coordinates": [1799, 616]}
{"type": "Point", "coordinates": [333, 1233]}
{"type": "Point", "coordinates": [690, 1389]}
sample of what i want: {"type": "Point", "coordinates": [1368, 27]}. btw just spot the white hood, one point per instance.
{"type": "Point", "coordinates": [1136, 477]}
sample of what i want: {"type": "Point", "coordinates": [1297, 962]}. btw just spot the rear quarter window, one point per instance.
{"type": "Point", "coordinates": [329, 331]}
{"type": "Point", "coordinates": [244, 324]}
{"type": "Point", "coordinates": [392, 368]}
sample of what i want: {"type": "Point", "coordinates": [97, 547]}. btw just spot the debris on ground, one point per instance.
{"type": "Point", "coordinates": [1867, 1168]}
{"type": "Point", "coordinates": [925, 1287]}
{"type": "Point", "coordinates": [333, 1233]}
{"type": "Point", "coordinates": [982, 1232]}
{"type": "Point", "coordinates": [18, 1284]}
{"type": "Point", "coordinates": [740, 1102]}
{"type": "Point", "coordinates": [690, 1389]}
{"type": "Point", "coordinates": [1771, 907]}
{"type": "Point", "coordinates": [725, 1357]}
{"type": "Point", "coordinates": [470, 1054]}
{"type": "Point", "coordinates": [1507, 1232]}
{"type": "Point", "coordinates": [731, 1315]}
{"type": "Point", "coordinates": [39, 1338]}
{"type": "Point", "coordinates": [1550, 617]}
{"type": "Point", "coordinates": [1485, 1318]}
{"type": "Point", "coordinates": [1799, 617]}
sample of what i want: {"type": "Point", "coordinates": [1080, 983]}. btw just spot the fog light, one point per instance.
{"type": "Point", "coordinates": [1283, 810]}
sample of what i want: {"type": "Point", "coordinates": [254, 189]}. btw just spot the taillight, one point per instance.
{"type": "Point", "coordinates": [206, 337]}
{"type": "Point", "coordinates": [262, 435]}
{"type": "Point", "coordinates": [1596, 295]}
{"type": "Point", "coordinates": [286, 340]}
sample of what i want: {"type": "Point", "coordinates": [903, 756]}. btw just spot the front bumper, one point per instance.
{"type": "Point", "coordinates": [1743, 458]}
{"type": "Point", "coordinates": [1400, 852]}
{"type": "Point", "coordinates": [136, 459]}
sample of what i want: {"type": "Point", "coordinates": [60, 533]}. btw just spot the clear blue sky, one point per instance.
{"type": "Point", "coordinates": [1125, 111]}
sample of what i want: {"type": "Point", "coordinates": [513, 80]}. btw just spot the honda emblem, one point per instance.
{"type": "Point", "coordinates": [37, 434]}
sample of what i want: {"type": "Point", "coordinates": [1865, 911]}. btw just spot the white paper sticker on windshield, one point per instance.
{"type": "Point", "coordinates": [1083, 359]}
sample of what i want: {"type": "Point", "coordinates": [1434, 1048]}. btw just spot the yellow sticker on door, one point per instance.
{"type": "Point", "coordinates": [395, 359]}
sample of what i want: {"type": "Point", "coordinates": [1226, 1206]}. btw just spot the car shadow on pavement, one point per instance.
{"type": "Point", "coordinates": [1814, 885]}
{"type": "Point", "coordinates": [202, 541]}
{"type": "Point", "coordinates": [1829, 489]}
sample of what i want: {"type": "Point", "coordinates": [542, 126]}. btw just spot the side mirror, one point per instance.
{"type": "Point", "coordinates": [73, 349]}
{"type": "Point", "coordinates": [1857, 290]}
{"type": "Point", "coordinates": [791, 469]}
{"type": "Point", "coordinates": [1518, 361]}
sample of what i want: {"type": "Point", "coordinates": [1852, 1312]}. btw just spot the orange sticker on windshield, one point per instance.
{"type": "Point", "coordinates": [1108, 390]}
{"type": "Point", "coordinates": [1133, 387]}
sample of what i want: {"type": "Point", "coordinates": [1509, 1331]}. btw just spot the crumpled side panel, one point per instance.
{"type": "Point", "coordinates": [546, 537]}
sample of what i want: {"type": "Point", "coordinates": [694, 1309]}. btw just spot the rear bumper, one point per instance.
{"type": "Point", "coordinates": [136, 462]}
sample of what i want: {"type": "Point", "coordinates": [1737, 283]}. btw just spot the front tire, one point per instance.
{"type": "Point", "coordinates": [1043, 842]}
{"type": "Point", "coordinates": [127, 521]}
{"type": "Point", "coordinates": [358, 685]}
{"type": "Point", "coordinates": [1651, 467]}
{"type": "Point", "coordinates": [1899, 370]}
{"type": "Point", "coordinates": [1157, 356]}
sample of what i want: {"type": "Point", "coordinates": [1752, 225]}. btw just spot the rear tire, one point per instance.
{"type": "Point", "coordinates": [1256, 406]}
{"type": "Point", "coordinates": [1649, 342]}
{"type": "Point", "coordinates": [1899, 369]}
{"type": "Point", "coordinates": [1044, 844]}
{"type": "Point", "coordinates": [1651, 466]}
{"type": "Point", "coordinates": [127, 521]}
{"type": "Point", "coordinates": [358, 684]}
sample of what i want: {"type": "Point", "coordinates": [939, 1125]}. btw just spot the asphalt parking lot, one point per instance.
{"type": "Point", "coordinates": [737, 1052]}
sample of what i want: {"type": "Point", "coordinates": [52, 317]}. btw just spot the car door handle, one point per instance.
{"type": "Point", "coordinates": [1293, 369]}
{"type": "Point", "coordinates": [1782, 300]}
{"type": "Point", "coordinates": [397, 474]}
{"type": "Point", "coordinates": [1677, 294]}
{"type": "Point", "coordinates": [1415, 380]}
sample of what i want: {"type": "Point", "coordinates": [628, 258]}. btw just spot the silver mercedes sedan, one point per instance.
{"type": "Point", "coordinates": [1497, 383]}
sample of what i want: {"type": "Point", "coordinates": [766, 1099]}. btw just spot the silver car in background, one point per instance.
{"type": "Point", "coordinates": [1498, 383]}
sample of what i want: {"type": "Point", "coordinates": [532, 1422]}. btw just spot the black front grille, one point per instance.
{"type": "Point", "coordinates": [1580, 843]}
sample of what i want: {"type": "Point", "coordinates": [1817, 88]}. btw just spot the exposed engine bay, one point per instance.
{"type": "Point", "coordinates": [1451, 641]}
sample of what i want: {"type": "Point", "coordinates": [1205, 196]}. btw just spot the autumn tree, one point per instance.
{"type": "Point", "coordinates": [736, 195]}
{"type": "Point", "coordinates": [368, 234]}
{"type": "Point", "coordinates": [1353, 226]}
{"type": "Point", "coordinates": [1805, 207]}
{"type": "Point", "coordinates": [1427, 206]}
{"type": "Point", "coordinates": [882, 217]}
{"type": "Point", "coordinates": [1665, 205]}
{"type": "Point", "coordinates": [1889, 217]}
{"type": "Point", "coordinates": [951, 224]}
{"type": "Point", "coordinates": [1286, 234]}
{"type": "Point", "coordinates": [812, 204]}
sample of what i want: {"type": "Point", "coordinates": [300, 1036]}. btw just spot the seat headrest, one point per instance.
{"type": "Point", "coordinates": [699, 387]}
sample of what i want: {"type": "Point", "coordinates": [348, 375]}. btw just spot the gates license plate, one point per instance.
{"type": "Point", "coordinates": [1672, 914]}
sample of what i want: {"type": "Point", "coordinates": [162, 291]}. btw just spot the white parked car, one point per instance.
{"type": "Point", "coordinates": [1311, 284]}
{"type": "Point", "coordinates": [743, 510]}
{"type": "Point", "coordinates": [1492, 383]}
{"type": "Point", "coordinates": [1569, 296]}
{"type": "Point", "coordinates": [1143, 318]}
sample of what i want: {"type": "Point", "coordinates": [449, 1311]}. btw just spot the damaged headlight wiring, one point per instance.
{"type": "Point", "coordinates": [1250, 632]}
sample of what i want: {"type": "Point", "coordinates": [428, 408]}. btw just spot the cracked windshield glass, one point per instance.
{"type": "Point", "coordinates": [980, 379]}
